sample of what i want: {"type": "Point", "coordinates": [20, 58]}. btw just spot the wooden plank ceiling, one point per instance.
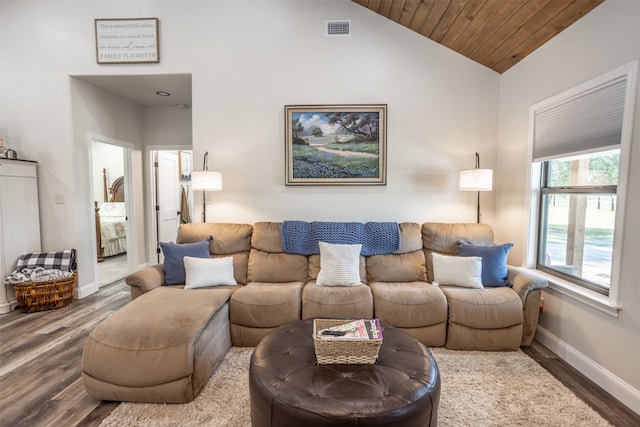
{"type": "Point", "coordinates": [495, 33]}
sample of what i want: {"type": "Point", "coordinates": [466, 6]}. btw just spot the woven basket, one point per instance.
{"type": "Point", "coordinates": [47, 295]}
{"type": "Point", "coordinates": [343, 352]}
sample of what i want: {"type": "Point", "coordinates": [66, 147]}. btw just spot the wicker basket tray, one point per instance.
{"type": "Point", "coordinates": [343, 352]}
{"type": "Point", "coordinates": [47, 295]}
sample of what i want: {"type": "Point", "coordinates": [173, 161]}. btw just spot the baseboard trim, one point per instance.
{"type": "Point", "coordinates": [5, 308]}
{"type": "Point", "coordinates": [83, 291]}
{"type": "Point", "coordinates": [614, 385]}
{"type": "Point", "coordinates": [9, 306]}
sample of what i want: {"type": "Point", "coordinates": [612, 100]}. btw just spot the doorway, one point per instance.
{"type": "Point", "coordinates": [171, 195]}
{"type": "Point", "coordinates": [111, 196]}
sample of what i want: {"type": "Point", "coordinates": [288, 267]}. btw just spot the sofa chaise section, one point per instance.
{"type": "Point", "coordinates": [162, 347]}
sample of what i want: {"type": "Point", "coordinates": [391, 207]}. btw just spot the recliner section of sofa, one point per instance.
{"type": "Point", "coordinates": [272, 296]}
{"type": "Point", "coordinates": [276, 288]}
{"type": "Point", "coordinates": [467, 328]}
{"type": "Point", "coordinates": [336, 301]}
{"type": "Point", "coordinates": [403, 297]}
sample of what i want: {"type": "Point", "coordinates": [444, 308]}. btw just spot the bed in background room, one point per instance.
{"type": "Point", "coordinates": [111, 218]}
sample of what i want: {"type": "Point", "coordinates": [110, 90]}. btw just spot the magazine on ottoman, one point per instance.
{"type": "Point", "coordinates": [360, 329]}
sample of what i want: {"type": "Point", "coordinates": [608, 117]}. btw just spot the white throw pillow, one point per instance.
{"type": "Point", "coordinates": [203, 272]}
{"type": "Point", "coordinates": [457, 271]}
{"type": "Point", "coordinates": [339, 265]}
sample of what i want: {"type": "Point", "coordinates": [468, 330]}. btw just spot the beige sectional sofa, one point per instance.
{"type": "Point", "coordinates": [275, 288]}
{"type": "Point", "coordinates": [172, 340]}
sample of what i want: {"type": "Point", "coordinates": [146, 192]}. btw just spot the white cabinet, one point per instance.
{"type": "Point", "coordinates": [19, 220]}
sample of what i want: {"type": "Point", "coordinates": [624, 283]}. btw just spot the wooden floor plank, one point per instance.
{"type": "Point", "coordinates": [41, 353]}
{"type": "Point", "coordinates": [24, 344]}
{"type": "Point", "coordinates": [47, 321]}
{"type": "Point", "coordinates": [19, 360]}
{"type": "Point", "coordinates": [71, 413]}
{"type": "Point", "coordinates": [593, 395]}
{"type": "Point", "coordinates": [73, 392]}
{"type": "Point", "coordinates": [96, 416]}
{"type": "Point", "coordinates": [41, 380]}
{"type": "Point", "coordinates": [40, 356]}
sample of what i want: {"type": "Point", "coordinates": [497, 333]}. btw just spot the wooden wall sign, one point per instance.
{"type": "Point", "coordinates": [127, 41]}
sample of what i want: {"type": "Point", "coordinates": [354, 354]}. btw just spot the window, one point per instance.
{"type": "Point", "coordinates": [581, 140]}
{"type": "Point", "coordinates": [577, 218]}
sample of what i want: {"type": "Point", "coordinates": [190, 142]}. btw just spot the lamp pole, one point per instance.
{"type": "Point", "coordinates": [478, 167]}
{"type": "Point", "coordinates": [205, 166]}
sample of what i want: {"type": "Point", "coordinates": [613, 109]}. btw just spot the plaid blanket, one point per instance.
{"type": "Point", "coordinates": [63, 260]}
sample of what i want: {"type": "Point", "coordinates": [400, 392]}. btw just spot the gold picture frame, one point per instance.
{"type": "Point", "coordinates": [336, 144]}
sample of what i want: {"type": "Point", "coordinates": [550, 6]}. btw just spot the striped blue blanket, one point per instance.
{"type": "Point", "coordinates": [376, 238]}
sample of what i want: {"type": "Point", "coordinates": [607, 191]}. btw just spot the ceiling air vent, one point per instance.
{"type": "Point", "coordinates": [340, 28]}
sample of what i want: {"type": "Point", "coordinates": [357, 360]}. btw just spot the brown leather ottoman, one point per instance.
{"type": "Point", "coordinates": [289, 388]}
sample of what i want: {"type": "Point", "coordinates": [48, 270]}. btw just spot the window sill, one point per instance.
{"type": "Point", "coordinates": [592, 299]}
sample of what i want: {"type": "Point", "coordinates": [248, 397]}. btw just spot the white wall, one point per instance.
{"type": "Point", "coordinates": [248, 60]}
{"type": "Point", "coordinates": [109, 157]}
{"type": "Point", "coordinates": [92, 111]}
{"type": "Point", "coordinates": [605, 39]}
{"type": "Point", "coordinates": [163, 128]}
{"type": "Point", "coordinates": [441, 109]}
{"type": "Point", "coordinates": [2, 80]}
{"type": "Point", "coordinates": [166, 126]}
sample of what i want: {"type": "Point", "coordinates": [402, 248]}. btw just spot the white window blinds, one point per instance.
{"type": "Point", "coordinates": [586, 122]}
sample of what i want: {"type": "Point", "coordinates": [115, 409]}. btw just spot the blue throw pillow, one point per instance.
{"type": "Point", "coordinates": [174, 254]}
{"type": "Point", "coordinates": [494, 261]}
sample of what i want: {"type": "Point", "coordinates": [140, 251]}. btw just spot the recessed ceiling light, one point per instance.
{"type": "Point", "coordinates": [182, 106]}
{"type": "Point", "coordinates": [162, 93]}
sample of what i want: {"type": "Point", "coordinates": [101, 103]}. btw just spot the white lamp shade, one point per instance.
{"type": "Point", "coordinates": [206, 181]}
{"type": "Point", "coordinates": [476, 179]}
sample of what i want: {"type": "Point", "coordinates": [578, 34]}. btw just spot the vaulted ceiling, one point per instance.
{"type": "Point", "coordinates": [494, 33]}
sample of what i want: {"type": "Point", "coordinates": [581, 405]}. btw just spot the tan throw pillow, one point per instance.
{"type": "Point", "coordinates": [339, 265]}
{"type": "Point", "coordinates": [457, 271]}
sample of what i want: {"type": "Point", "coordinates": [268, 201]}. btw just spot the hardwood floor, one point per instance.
{"type": "Point", "coordinates": [601, 401]}
{"type": "Point", "coordinates": [40, 362]}
{"type": "Point", "coordinates": [40, 365]}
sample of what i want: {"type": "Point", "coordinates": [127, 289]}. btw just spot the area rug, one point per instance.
{"type": "Point", "coordinates": [477, 389]}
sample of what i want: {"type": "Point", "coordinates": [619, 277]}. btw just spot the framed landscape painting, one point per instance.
{"type": "Point", "coordinates": [336, 144]}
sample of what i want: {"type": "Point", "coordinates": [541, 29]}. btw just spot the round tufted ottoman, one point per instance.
{"type": "Point", "coordinates": [289, 388]}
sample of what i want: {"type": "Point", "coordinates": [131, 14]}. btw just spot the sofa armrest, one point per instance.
{"type": "Point", "coordinates": [528, 286]}
{"type": "Point", "coordinates": [146, 279]}
{"type": "Point", "coordinates": [525, 281]}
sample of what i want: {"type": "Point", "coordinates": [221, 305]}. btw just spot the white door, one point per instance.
{"type": "Point", "coordinates": [168, 196]}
